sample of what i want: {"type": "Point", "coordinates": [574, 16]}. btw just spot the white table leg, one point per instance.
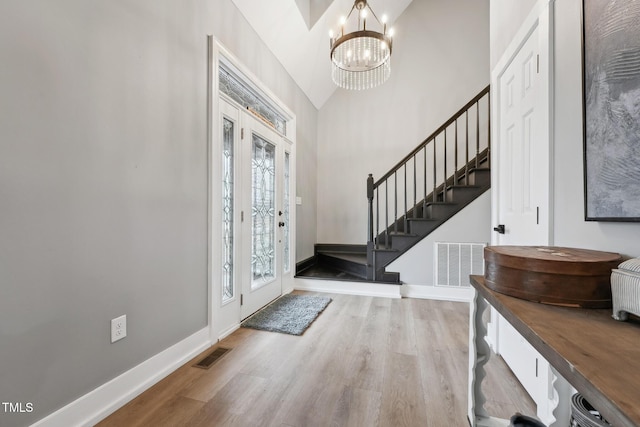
{"type": "Point", "coordinates": [479, 353]}
{"type": "Point", "coordinates": [560, 398]}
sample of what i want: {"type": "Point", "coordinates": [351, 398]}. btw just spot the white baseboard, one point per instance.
{"type": "Point", "coordinates": [437, 293]}
{"type": "Point", "coordinates": [96, 405]}
{"type": "Point", "coordinates": [349, 288]}
{"type": "Point", "coordinates": [229, 331]}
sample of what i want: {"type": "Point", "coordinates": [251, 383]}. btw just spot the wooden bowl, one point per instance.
{"type": "Point", "coordinates": [551, 275]}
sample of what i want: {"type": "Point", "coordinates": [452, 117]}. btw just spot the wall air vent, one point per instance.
{"type": "Point", "coordinates": [456, 261]}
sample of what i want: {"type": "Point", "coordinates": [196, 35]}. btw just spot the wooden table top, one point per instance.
{"type": "Point", "coordinates": [596, 354]}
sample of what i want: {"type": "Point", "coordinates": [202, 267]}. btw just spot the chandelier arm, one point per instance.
{"type": "Point", "coordinates": [374, 14]}
{"type": "Point", "coordinates": [350, 12]}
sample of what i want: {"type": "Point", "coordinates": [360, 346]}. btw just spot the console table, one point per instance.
{"type": "Point", "coordinates": [597, 355]}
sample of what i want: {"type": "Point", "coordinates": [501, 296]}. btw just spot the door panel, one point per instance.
{"type": "Point", "coordinates": [520, 190]}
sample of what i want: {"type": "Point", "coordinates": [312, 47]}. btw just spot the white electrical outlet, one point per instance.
{"type": "Point", "coordinates": [118, 328]}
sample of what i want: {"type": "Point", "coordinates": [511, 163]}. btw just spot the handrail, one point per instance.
{"type": "Point", "coordinates": [432, 136]}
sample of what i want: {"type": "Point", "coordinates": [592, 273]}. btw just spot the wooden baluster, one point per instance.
{"type": "Point", "coordinates": [370, 198]}
{"type": "Point", "coordinates": [488, 130]}
{"type": "Point", "coordinates": [466, 145]}
{"type": "Point", "coordinates": [377, 214]}
{"type": "Point", "coordinates": [433, 195]}
{"type": "Point", "coordinates": [444, 183]}
{"type": "Point", "coordinates": [415, 185]}
{"type": "Point", "coordinates": [455, 155]}
{"type": "Point", "coordinates": [477, 135]}
{"type": "Point", "coordinates": [386, 212]}
{"type": "Point", "coordinates": [395, 203]}
{"type": "Point", "coordinates": [404, 225]}
{"type": "Point", "coordinates": [424, 199]}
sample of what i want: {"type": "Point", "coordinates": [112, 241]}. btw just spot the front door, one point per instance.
{"type": "Point", "coordinates": [264, 223]}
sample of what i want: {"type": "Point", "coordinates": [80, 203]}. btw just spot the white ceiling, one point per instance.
{"type": "Point", "coordinates": [304, 51]}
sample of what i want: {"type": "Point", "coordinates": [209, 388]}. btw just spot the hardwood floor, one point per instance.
{"type": "Point", "coordinates": [364, 362]}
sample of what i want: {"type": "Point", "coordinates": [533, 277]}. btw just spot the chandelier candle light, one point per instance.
{"type": "Point", "coordinates": [361, 59]}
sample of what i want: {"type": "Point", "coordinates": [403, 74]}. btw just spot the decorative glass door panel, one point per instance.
{"type": "Point", "coordinates": [228, 283]}
{"type": "Point", "coordinates": [286, 230]}
{"type": "Point", "coordinates": [263, 208]}
{"type": "Point", "coordinates": [263, 162]}
{"type": "Point", "coordinates": [226, 212]}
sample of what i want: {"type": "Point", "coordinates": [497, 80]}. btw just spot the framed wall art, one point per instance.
{"type": "Point", "coordinates": [611, 109]}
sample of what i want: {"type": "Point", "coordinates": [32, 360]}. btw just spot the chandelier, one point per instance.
{"type": "Point", "coordinates": [361, 59]}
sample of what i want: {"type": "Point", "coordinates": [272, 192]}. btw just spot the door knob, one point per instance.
{"type": "Point", "coordinates": [281, 224]}
{"type": "Point", "coordinates": [499, 229]}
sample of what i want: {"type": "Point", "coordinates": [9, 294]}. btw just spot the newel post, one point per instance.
{"type": "Point", "coordinates": [370, 198]}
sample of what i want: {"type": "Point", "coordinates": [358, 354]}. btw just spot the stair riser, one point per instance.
{"type": "Point", "coordinates": [388, 276]}
{"type": "Point", "coordinates": [462, 195]}
{"type": "Point", "coordinates": [383, 258]}
{"type": "Point", "coordinates": [401, 243]}
{"type": "Point", "coordinates": [479, 177]}
{"type": "Point", "coordinates": [438, 211]}
{"type": "Point", "coordinates": [335, 247]}
{"type": "Point", "coordinates": [398, 243]}
{"type": "Point", "coordinates": [422, 228]}
{"type": "Point", "coordinates": [359, 270]}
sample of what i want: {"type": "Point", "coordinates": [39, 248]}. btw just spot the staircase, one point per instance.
{"type": "Point", "coordinates": [439, 178]}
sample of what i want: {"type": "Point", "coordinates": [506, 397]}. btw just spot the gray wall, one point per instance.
{"type": "Point", "coordinates": [569, 227]}
{"type": "Point", "coordinates": [103, 184]}
{"type": "Point", "coordinates": [506, 17]}
{"type": "Point", "coordinates": [440, 61]}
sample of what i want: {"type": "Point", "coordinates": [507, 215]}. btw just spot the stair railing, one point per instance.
{"type": "Point", "coordinates": [422, 177]}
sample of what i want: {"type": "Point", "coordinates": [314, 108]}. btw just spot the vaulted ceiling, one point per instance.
{"type": "Point", "coordinates": [297, 32]}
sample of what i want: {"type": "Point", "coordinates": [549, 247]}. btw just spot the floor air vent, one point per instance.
{"type": "Point", "coordinates": [212, 358]}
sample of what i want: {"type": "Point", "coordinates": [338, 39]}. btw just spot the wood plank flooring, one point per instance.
{"type": "Point", "coordinates": [364, 362]}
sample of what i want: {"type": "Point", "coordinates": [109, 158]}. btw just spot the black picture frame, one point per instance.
{"type": "Point", "coordinates": [611, 109]}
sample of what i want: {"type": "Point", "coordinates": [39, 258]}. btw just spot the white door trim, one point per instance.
{"type": "Point", "coordinates": [216, 54]}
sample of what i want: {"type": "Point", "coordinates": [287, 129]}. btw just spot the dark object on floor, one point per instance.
{"type": "Point", "coordinates": [519, 420]}
{"type": "Point", "coordinates": [289, 314]}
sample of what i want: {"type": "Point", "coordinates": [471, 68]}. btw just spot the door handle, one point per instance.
{"type": "Point", "coordinates": [499, 228]}
{"type": "Point", "coordinates": [281, 224]}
